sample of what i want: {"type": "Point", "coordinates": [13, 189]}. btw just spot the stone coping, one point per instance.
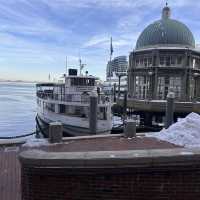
{"type": "Point", "coordinates": [17, 141]}
{"type": "Point", "coordinates": [110, 159]}
{"type": "Point", "coordinates": [24, 140]}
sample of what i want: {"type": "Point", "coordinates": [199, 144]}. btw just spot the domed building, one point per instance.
{"type": "Point", "coordinates": [164, 59]}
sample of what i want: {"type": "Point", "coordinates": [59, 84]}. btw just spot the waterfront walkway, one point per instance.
{"type": "Point", "coordinates": [10, 182]}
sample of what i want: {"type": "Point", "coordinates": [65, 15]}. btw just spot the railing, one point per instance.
{"type": "Point", "coordinates": [81, 98]}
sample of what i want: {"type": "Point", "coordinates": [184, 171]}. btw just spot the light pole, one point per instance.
{"type": "Point", "coordinates": [119, 83]}
{"type": "Point", "coordinates": [196, 86]}
{"type": "Point", "coordinates": [150, 73]}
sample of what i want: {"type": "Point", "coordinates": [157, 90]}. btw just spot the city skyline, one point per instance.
{"type": "Point", "coordinates": [36, 36]}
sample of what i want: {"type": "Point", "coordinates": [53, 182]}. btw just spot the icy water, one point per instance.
{"type": "Point", "coordinates": [17, 108]}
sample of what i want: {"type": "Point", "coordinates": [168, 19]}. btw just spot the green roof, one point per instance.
{"type": "Point", "coordinates": [165, 32]}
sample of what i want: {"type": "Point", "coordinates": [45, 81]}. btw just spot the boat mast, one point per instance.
{"type": "Point", "coordinates": [81, 65]}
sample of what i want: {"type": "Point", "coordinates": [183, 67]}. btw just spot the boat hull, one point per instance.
{"type": "Point", "coordinates": [68, 130]}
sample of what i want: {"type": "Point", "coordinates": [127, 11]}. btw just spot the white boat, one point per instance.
{"type": "Point", "coordinates": [69, 103]}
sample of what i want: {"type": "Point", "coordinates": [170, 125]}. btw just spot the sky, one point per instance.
{"type": "Point", "coordinates": [37, 35]}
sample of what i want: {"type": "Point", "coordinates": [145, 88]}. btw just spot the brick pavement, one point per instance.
{"type": "Point", "coordinates": [10, 167]}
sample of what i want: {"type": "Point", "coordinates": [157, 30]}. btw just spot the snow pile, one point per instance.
{"type": "Point", "coordinates": [34, 142]}
{"type": "Point", "coordinates": [117, 121]}
{"type": "Point", "coordinates": [185, 132]}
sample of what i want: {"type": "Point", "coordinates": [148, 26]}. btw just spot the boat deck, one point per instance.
{"type": "Point", "coordinates": [10, 188]}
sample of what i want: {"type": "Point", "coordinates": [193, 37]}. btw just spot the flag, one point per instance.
{"type": "Point", "coordinates": [111, 47]}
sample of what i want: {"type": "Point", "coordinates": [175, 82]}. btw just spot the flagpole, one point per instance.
{"type": "Point", "coordinates": [66, 65]}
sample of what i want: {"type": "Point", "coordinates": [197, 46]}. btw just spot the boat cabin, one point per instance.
{"type": "Point", "coordinates": [81, 83]}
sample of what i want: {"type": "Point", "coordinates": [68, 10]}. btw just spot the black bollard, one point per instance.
{"type": "Point", "coordinates": [93, 114]}
{"type": "Point", "coordinates": [169, 110]}
{"type": "Point", "coordinates": [125, 105]}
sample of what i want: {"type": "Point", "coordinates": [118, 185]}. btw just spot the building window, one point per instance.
{"type": "Point", "coordinates": [197, 64]}
{"type": "Point", "coordinates": [161, 88]}
{"type": "Point", "coordinates": [173, 60]}
{"type": "Point", "coordinates": [150, 62]}
{"type": "Point", "coordinates": [162, 60]}
{"type": "Point", "coordinates": [168, 61]}
{"type": "Point", "coordinates": [175, 85]}
{"type": "Point", "coordinates": [179, 60]}
{"type": "Point", "coordinates": [142, 87]}
{"type": "Point", "coordinates": [141, 62]}
{"type": "Point", "coordinates": [145, 62]}
{"type": "Point", "coordinates": [137, 62]}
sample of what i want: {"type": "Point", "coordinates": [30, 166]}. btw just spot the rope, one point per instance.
{"type": "Point", "coordinates": [40, 128]}
{"type": "Point", "coordinates": [18, 136]}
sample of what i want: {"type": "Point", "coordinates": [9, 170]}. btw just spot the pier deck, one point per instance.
{"type": "Point", "coordinates": [10, 188]}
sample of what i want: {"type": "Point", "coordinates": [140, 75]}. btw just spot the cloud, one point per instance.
{"type": "Point", "coordinates": [40, 33]}
{"type": "Point", "coordinates": [98, 40]}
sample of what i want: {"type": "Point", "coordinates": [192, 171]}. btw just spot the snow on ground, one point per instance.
{"type": "Point", "coordinates": [117, 121]}
{"type": "Point", "coordinates": [35, 142]}
{"type": "Point", "coordinates": [185, 132]}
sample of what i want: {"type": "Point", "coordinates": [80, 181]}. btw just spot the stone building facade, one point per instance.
{"type": "Point", "coordinates": [165, 59]}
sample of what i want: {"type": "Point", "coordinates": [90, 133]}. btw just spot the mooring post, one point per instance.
{"type": "Point", "coordinates": [125, 105]}
{"type": "Point", "coordinates": [169, 110]}
{"type": "Point", "coordinates": [93, 114]}
{"type": "Point", "coordinates": [119, 86]}
{"type": "Point", "coordinates": [130, 128]}
{"type": "Point", "coordinates": [55, 132]}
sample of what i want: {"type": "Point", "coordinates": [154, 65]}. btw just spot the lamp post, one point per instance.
{"type": "Point", "coordinates": [196, 86]}
{"type": "Point", "coordinates": [169, 115]}
{"type": "Point", "coordinates": [150, 73]}
{"type": "Point", "coordinates": [119, 83]}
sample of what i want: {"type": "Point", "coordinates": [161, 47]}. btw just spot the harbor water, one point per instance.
{"type": "Point", "coordinates": [17, 108]}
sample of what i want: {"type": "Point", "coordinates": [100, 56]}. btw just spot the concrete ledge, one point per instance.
{"type": "Point", "coordinates": [98, 136]}
{"type": "Point", "coordinates": [92, 137]}
{"type": "Point", "coordinates": [112, 159]}
{"type": "Point", "coordinates": [12, 141]}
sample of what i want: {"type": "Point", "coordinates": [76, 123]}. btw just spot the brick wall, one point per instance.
{"type": "Point", "coordinates": [181, 182]}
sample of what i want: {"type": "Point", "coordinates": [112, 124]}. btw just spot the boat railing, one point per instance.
{"type": "Point", "coordinates": [81, 98]}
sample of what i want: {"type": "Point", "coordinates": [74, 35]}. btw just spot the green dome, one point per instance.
{"type": "Point", "coordinates": [166, 32]}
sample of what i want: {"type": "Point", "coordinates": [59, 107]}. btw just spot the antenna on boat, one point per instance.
{"type": "Point", "coordinates": [49, 77]}
{"type": "Point", "coordinates": [81, 65]}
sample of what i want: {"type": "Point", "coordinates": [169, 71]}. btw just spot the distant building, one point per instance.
{"type": "Point", "coordinates": [108, 85]}
{"type": "Point", "coordinates": [115, 68]}
{"type": "Point", "coordinates": [117, 65]}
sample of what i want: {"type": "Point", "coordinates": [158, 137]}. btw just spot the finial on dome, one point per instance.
{"type": "Point", "coordinates": [166, 12]}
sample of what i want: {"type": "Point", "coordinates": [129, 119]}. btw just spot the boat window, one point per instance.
{"type": "Point", "coordinates": [50, 107]}
{"type": "Point", "coordinates": [82, 82]}
{"type": "Point", "coordinates": [76, 111]}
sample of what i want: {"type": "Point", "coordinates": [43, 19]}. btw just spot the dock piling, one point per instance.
{"type": "Point", "coordinates": [130, 128]}
{"type": "Point", "coordinates": [55, 132]}
{"type": "Point", "coordinates": [169, 109]}
{"type": "Point", "coordinates": [93, 114]}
